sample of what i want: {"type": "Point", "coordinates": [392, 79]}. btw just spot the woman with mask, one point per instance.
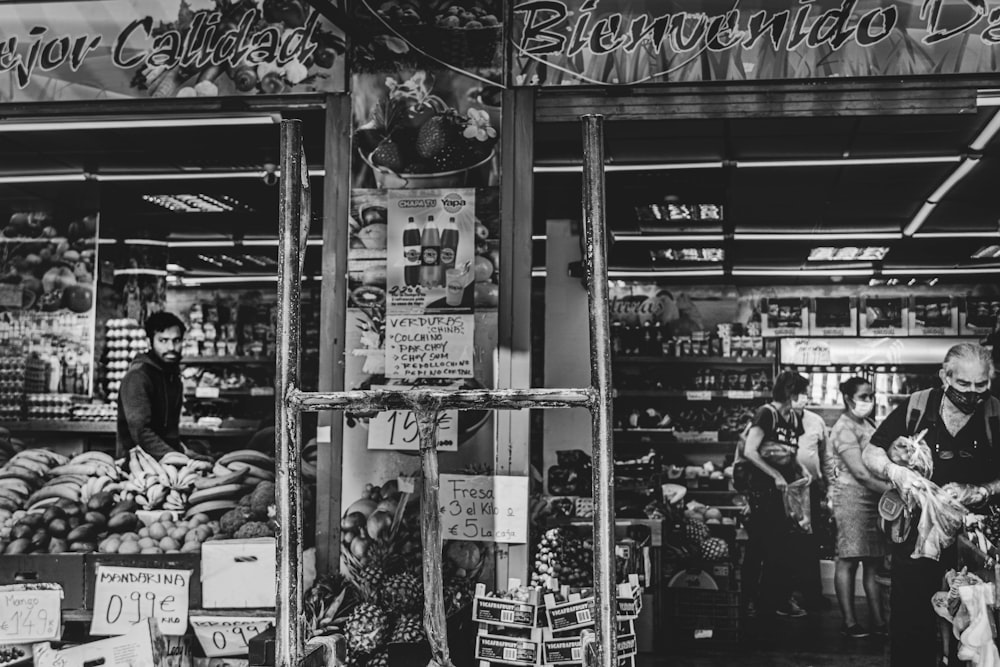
{"type": "Point", "coordinates": [854, 494]}
{"type": "Point", "coordinates": [771, 446]}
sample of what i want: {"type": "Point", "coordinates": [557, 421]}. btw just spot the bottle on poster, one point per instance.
{"type": "Point", "coordinates": [449, 244]}
{"type": "Point", "coordinates": [411, 253]}
{"type": "Point", "coordinates": [430, 241]}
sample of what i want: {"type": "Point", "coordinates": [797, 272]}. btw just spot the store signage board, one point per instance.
{"type": "Point", "coordinates": [125, 49]}
{"type": "Point", "coordinates": [933, 316]}
{"type": "Point", "coordinates": [834, 317]}
{"type": "Point", "coordinates": [397, 430]}
{"type": "Point", "coordinates": [124, 596]}
{"type": "Point", "coordinates": [980, 315]}
{"type": "Point", "coordinates": [30, 613]}
{"type": "Point", "coordinates": [484, 508]}
{"type": "Point", "coordinates": [223, 636]}
{"type": "Point", "coordinates": [617, 42]}
{"type": "Point", "coordinates": [864, 351]}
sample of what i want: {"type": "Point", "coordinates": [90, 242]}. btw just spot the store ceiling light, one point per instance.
{"type": "Point", "coordinates": [987, 252]}
{"type": "Point", "coordinates": [957, 235]}
{"type": "Point", "coordinates": [611, 168]}
{"type": "Point", "coordinates": [634, 237]}
{"type": "Point", "coordinates": [194, 203]}
{"type": "Point", "coordinates": [848, 162]}
{"type": "Point", "coordinates": [987, 133]}
{"type": "Point", "coordinates": [13, 179]}
{"type": "Point", "coordinates": [800, 273]}
{"type": "Point", "coordinates": [848, 253]}
{"type": "Point", "coordinates": [666, 273]}
{"type": "Point", "coordinates": [187, 175]}
{"type": "Point", "coordinates": [949, 271]}
{"type": "Point", "coordinates": [817, 236]}
{"type": "Point", "coordinates": [687, 255]}
{"type": "Point", "coordinates": [184, 122]}
{"type": "Point", "coordinates": [928, 206]}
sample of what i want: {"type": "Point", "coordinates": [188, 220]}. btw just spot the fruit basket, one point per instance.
{"type": "Point", "coordinates": [473, 47]}
{"type": "Point", "coordinates": [387, 178]}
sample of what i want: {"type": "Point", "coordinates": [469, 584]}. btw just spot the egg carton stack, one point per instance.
{"type": "Point", "coordinates": [12, 372]}
{"type": "Point", "coordinates": [50, 407]}
{"type": "Point", "coordinates": [125, 339]}
{"type": "Point", "coordinates": [95, 412]}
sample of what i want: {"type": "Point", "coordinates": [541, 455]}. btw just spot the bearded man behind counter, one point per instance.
{"type": "Point", "coordinates": [151, 393]}
{"type": "Point", "coordinates": [961, 419]}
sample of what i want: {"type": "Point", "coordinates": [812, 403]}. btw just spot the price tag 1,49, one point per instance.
{"type": "Point", "coordinates": [30, 613]}
{"type": "Point", "coordinates": [224, 636]}
{"type": "Point", "coordinates": [397, 430]}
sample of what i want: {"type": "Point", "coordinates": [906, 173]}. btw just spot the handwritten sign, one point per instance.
{"type": "Point", "coordinates": [223, 636]}
{"type": "Point", "coordinates": [125, 596]}
{"type": "Point", "coordinates": [29, 613]}
{"type": "Point", "coordinates": [429, 345]}
{"type": "Point", "coordinates": [483, 508]}
{"type": "Point", "coordinates": [397, 430]}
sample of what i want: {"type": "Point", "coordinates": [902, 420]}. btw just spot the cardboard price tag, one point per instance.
{"type": "Point", "coordinates": [484, 508]}
{"type": "Point", "coordinates": [397, 430]}
{"type": "Point", "coordinates": [30, 613]}
{"type": "Point", "coordinates": [125, 596]}
{"type": "Point", "coordinates": [227, 636]}
{"type": "Point", "coordinates": [570, 615]}
{"type": "Point", "coordinates": [507, 650]}
{"type": "Point", "coordinates": [508, 613]}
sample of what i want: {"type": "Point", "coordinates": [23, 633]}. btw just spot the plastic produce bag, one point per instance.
{"type": "Point", "coordinates": [797, 505]}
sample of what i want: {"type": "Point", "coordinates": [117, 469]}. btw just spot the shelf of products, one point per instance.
{"type": "Point", "coordinates": [736, 361]}
{"type": "Point", "coordinates": [693, 394]}
{"type": "Point", "coordinates": [106, 427]}
{"type": "Point", "coordinates": [236, 361]}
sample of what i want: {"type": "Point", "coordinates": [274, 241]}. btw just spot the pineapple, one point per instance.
{"type": "Point", "coordinates": [367, 628]}
{"type": "Point", "coordinates": [368, 573]}
{"type": "Point", "coordinates": [409, 629]}
{"type": "Point", "coordinates": [458, 594]}
{"type": "Point", "coordinates": [380, 659]}
{"type": "Point", "coordinates": [327, 604]}
{"type": "Point", "coordinates": [403, 593]}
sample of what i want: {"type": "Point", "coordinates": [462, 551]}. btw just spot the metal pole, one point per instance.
{"type": "Point", "coordinates": [600, 374]}
{"type": "Point", "coordinates": [288, 621]}
{"type": "Point", "coordinates": [430, 534]}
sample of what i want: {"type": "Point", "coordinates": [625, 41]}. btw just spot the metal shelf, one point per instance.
{"type": "Point", "coordinates": [110, 427]}
{"type": "Point", "coordinates": [732, 394]}
{"type": "Point", "coordinates": [734, 361]}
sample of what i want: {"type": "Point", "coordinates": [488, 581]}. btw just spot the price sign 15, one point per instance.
{"type": "Point", "coordinates": [227, 636]}
{"type": "Point", "coordinates": [397, 429]}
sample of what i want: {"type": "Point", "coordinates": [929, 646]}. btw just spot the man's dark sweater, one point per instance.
{"type": "Point", "coordinates": [149, 407]}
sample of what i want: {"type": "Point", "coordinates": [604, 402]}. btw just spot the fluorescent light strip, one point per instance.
{"type": "Point", "coordinates": [248, 243]}
{"type": "Point", "coordinates": [919, 219]}
{"type": "Point", "coordinates": [664, 273]}
{"type": "Point", "coordinates": [145, 242]}
{"type": "Point", "coordinates": [818, 236]}
{"type": "Point", "coordinates": [179, 176]}
{"type": "Point", "coordinates": [44, 178]}
{"type": "Point", "coordinates": [963, 169]}
{"type": "Point", "coordinates": [539, 273]}
{"type": "Point", "coordinates": [987, 133]}
{"type": "Point", "coordinates": [539, 237]}
{"type": "Point", "coordinates": [608, 168]}
{"type": "Point", "coordinates": [140, 272]}
{"type": "Point", "coordinates": [955, 271]}
{"type": "Point", "coordinates": [957, 235]}
{"type": "Point", "coordinates": [664, 238]}
{"type": "Point", "coordinates": [849, 162]}
{"type": "Point", "coordinates": [136, 123]}
{"type": "Point", "coordinates": [795, 273]}
{"type": "Point", "coordinates": [988, 98]}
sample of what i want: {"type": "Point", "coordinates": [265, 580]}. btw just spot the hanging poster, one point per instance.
{"type": "Point", "coordinates": [981, 315]}
{"type": "Point", "coordinates": [124, 49]}
{"type": "Point", "coordinates": [834, 316]}
{"type": "Point", "coordinates": [933, 316]}
{"type": "Point", "coordinates": [627, 42]}
{"type": "Point", "coordinates": [785, 316]}
{"type": "Point", "coordinates": [883, 316]}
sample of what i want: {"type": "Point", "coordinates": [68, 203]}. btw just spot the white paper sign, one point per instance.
{"type": "Point", "coordinates": [206, 392]}
{"type": "Point", "coordinates": [222, 636]}
{"type": "Point", "coordinates": [29, 613]}
{"type": "Point", "coordinates": [484, 508]}
{"type": "Point", "coordinates": [698, 395]}
{"type": "Point", "coordinates": [397, 430]}
{"type": "Point", "coordinates": [125, 596]}
{"type": "Point", "coordinates": [429, 346]}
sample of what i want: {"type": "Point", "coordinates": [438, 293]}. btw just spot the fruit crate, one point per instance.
{"type": "Point", "coordinates": [188, 561]}
{"type": "Point", "coordinates": [694, 614]}
{"type": "Point", "coordinates": [67, 570]}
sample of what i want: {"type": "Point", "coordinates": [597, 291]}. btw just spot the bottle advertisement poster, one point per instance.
{"type": "Point", "coordinates": [430, 276]}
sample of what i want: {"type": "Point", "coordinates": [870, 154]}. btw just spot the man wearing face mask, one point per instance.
{"type": "Point", "coordinates": [962, 421]}
{"type": "Point", "coordinates": [151, 393]}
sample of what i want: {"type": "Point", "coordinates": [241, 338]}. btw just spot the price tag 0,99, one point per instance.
{"type": "Point", "coordinates": [397, 430]}
{"type": "Point", "coordinates": [222, 637]}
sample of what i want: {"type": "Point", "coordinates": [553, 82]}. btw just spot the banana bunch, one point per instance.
{"type": "Point", "coordinates": [163, 484]}
{"type": "Point", "coordinates": [24, 474]}
{"type": "Point", "coordinates": [77, 479]}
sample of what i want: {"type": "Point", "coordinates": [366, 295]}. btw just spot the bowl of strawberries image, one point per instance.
{"type": "Point", "coordinates": [415, 140]}
{"type": "Point", "coordinates": [465, 34]}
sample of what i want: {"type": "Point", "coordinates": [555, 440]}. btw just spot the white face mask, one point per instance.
{"type": "Point", "coordinates": [800, 401]}
{"type": "Point", "coordinates": [863, 408]}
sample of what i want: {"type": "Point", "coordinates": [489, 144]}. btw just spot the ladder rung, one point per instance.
{"type": "Point", "coordinates": [440, 398]}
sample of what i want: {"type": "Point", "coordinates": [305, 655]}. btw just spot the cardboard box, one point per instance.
{"type": "Point", "coordinates": [141, 647]}
{"type": "Point", "coordinates": [160, 561]}
{"type": "Point", "coordinates": [883, 316]}
{"type": "Point", "coordinates": [507, 650]}
{"type": "Point", "coordinates": [67, 570]}
{"type": "Point", "coordinates": [933, 316]}
{"type": "Point", "coordinates": [238, 574]}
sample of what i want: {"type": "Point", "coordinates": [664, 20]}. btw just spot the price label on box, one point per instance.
{"type": "Point", "coordinates": [508, 650]}
{"type": "Point", "coordinates": [125, 596]}
{"type": "Point", "coordinates": [570, 615]}
{"type": "Point", "coordinates": [223, 636]}
{"type": "Point", "coordinates": [698, 395]}
{"type": "Point", "coordinates": [397, 430]}
{"type": "Point", "coordinates": [510, 613]}
{"type": "Point", "coordinates": [30, 613]}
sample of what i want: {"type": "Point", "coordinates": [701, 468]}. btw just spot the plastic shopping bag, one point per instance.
{"type": "Point", "coordinates": [797, 505]}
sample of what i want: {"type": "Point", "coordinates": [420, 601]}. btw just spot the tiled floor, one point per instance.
{"type": "Point", "coordinates": [811, 641]}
